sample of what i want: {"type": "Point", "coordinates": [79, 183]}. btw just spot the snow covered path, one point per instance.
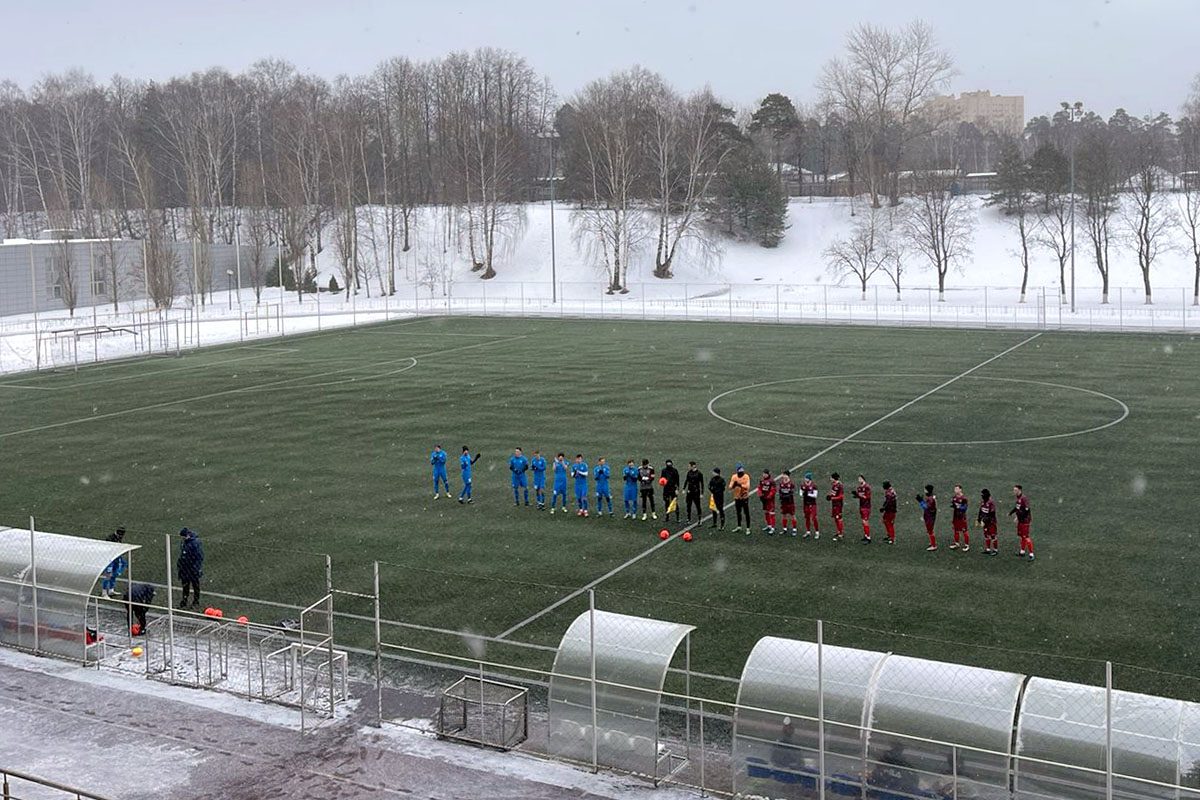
{"type": "Point", "coordinates": [125, 737]}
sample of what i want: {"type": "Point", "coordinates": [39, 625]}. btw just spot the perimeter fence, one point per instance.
{"type": "Point", "coordinates": [722, 699]}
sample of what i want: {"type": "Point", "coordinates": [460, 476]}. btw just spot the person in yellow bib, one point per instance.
{"type": "Point", "coordinates": [739, 484]}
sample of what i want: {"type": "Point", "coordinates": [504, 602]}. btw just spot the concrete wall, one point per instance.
{"type": "Point", "coordinates": [28, 275]}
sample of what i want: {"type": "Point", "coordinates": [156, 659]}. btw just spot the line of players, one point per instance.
{"type": "Point", "coordinates": [639, 483]}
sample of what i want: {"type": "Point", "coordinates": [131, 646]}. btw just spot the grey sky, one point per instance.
{"type": "Point", "coordinates": [1137, 54]}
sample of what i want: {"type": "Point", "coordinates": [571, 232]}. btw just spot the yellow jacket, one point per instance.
{"type": "Point", "coordinates": [740, 486]}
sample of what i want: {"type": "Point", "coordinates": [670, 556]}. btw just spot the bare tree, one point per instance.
{"type": "Point", "coordinates": [686, 150]}
{"type": "Point", "coordinates": [939, 224]}
{"type": "Point", "coordinates": [1014, 197]}
{"type": "Point", "coordinates": [866, 250]}
{"type": "Point", "coordinates": [612, 116]}
{"type": "Point", "coordinates": [884, 85]}
{"type": "Point", "coordinates": [1097, 176]}
{"type": "Point", "coordinates": [1147, 215]}
{"type": "Point", "coordinates": [1188, 199]}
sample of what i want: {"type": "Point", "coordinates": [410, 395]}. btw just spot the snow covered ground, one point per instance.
{"type": "Point", "coordinates": [742, 282]}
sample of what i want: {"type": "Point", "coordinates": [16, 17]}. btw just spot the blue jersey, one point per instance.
{"type": "Point", "coordinates": [560, 475]}
{"type": "Point", "coordinates": [601, 473]}
{"type": "Point", "coordinates": [518, 464]}
{"type": "Point", "coordinates": [464, 463]}
{"type": "Point", "coordinates": [437, 459]}
{"type": "Point", "coordinates": [580, 471]}
{"type": "Point", "coordinates": [538, 465]}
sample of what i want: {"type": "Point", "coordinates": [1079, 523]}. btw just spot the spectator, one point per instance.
{"type": "Point", "coordinates": [139, 596]}
{"type": "Point", "coordinates": [115, 569]}
{"type": "Point", "coordinates": [190, 566]}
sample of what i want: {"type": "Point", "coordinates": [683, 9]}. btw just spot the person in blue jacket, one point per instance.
{"type": "Point", "coordinates": [560, 483]}
{"type": "Point", "coordinates": [603, 493]}
{"type": "Point", "coordinates": [190, 566]}
{"type": "Point", "coordinates": [538, 465]}
{"type": "Point", "coordinates": [437, 459]}
{"type": "Point", "coordinates": [115, 569]}
{"type": "Point", "coordinates": [519, 466]}
{"type": "Point", "coordinates": [630, 476]}
{"type": "Point", "coordinates": [465, 463]}
{"type": "Point", "coordinates": [580, 472]}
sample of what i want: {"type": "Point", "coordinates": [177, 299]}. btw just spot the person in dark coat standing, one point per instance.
{"type": "Point", "coordinates": [139, 597]}
{"type": "Point", "coordinates": [190, 566]}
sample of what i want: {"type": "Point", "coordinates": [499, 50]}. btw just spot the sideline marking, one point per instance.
{"type": "Point", "coordinates": [663, 543]}
{"type": "Point", "coordinates": [1121, 404]}
{"type": "Point", "coordinates": [118, 378]}
{"type": "Point", "coordinates": [243, 389]}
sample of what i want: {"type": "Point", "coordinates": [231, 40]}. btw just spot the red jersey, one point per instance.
{"type": "Point", "coordinates": [929, 506]}
{"type": "Point", "coordinates": [889, 501]}
{"type": "Point", "coordinates": [766, 489]}
{"type": "Point", "coordinates": [787, 491]}
{"type": "Point", "coordinates": [809, 491]}
{"type": "Point", "coordinates": [1022, 511]}
{"type": "Point", "coordinates": [959, 503]}
{"type": "Point", "coordinates": [837, 494]}
{"type": "Point", "coordinates": [863, 493]}
{"type": "Point", "coordinates": [987, 513]}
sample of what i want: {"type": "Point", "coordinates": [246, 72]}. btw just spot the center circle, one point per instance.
{"type": "Point", "coordinates": [1120, 407]}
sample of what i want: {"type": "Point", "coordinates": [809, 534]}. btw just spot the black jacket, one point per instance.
{"type": "Point", "coordinates": [142, 594]}
{"type": "Point", "coordinates": [191, 559]}
{"type": "Point", "coordinates": [716, 487]}
{"type": "Point", "coordinates": [693, 482]}
{"type": "Point", "coordinates": [672, 476]}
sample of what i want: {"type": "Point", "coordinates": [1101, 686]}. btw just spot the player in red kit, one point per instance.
{"type": "Point", "coordinates": [766, 493]}
{"type": "Point", "coordinates": [808, 499]}
{"type": "Point", "coordinates": [928, 504]}
{"type": "Point", "coordinates": [987, 521]}
{"type": "Point", "coordinates": [837, 499]}
{"type": "Point", "coordinates": [863, 493]}
{"type": "Point", "coordinates": [958, 519]}
{"type": "Point", "coordinates": [787, 501]}
{"type": "Point", "coordinates": [888, 511]}
{"type": "Point", "coordinates": [1024, 517]}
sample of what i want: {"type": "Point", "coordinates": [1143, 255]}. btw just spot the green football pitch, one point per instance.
{"type": "Point", "coordinates": [279, 452]}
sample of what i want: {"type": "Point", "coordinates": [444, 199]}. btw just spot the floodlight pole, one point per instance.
{"type": "Point", "coordinates": [1073, 114]}
{"type": "Point", "coordinates": [553, 136]}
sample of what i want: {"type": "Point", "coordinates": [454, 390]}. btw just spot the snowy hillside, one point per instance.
{"type": "Point", "coordinates": [799, 260]}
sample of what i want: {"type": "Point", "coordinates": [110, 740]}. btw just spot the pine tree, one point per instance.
{"type": "Point", "coordinates": [777, 120]}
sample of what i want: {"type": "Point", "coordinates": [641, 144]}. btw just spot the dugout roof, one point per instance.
{"type": "Point", "coordinates": [632, 655]}
{"type": "Point", "coordinates": [885, 718]}
{"type": "Point", "coordinates": [1154, 740]}
{"type": "Point", "coordinates": [67, 568]}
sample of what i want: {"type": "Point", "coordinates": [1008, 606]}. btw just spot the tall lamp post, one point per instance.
{"type": "Point", "coordinates": [1074, 112]}
{"type": "Point", "coordinates": [552, 135]}
{"type": "Point", "coordinates": [229, 287]}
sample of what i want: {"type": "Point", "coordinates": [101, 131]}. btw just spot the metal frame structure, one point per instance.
{"type": "Point", "coordinates": [46, 590]}
{"type": "Point", "coordinates": [495, 704]}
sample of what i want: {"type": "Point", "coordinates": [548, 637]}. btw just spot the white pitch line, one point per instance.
{"type": "Point", "coordinates": [242, 389]}
{"type": "Point", "coordinates": [805, 462]}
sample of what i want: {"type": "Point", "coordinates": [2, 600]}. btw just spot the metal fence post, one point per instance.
{"type": "Point", "coordinates": [329, 650]}
{"type": "Point", "coordinates": [1108, 761]}
{"type": "Point", "coordinates": [821, 709]}
{"type": "Point", "coordinates": [170, 608]}
{"type": "Point", "coordinates": [33, 579]}
{"type": "Point", "coordinates": [985, 307]}
{"type": "Point", "coordinates": [592, 673]}
{"type": "Point", "coordinates": [328, 574]}
{"type": "Point", "coordinates": [954, 772]}
{"type": "Point", "coordinates": [777, 303]}
{"type": "Point", "coordinates": [702, 756]}
{"type": "Point", "coordinates": [378, 655]}
{"type": "Point", "coordinates": [825, 293]}
{"type": "Point", "coordinates": [731, 302]}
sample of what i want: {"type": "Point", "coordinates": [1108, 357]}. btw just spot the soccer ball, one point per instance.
{"type": "Point", "coordinates": [137, 652]}
{"type": "Point", "coordinates": [663, 534]}
{"type": "Point", "coordinates": [687, 536]}
{"type": "Point", "coordinates": [662, 481]}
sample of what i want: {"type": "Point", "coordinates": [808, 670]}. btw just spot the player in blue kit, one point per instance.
{"type": "Point", "coordinates": [602, 473]}
{"type": "Point", "coordinates": [519, 466]}
{"type": "Point", "coordinates": [465, 464]}
{"type": "Point", "coordinates": [538, 465]}
{"type": "Point", "coordinates": [560, 483]}
{"type": "Point", "coordinates": [437, 460]}
{"type": "Point", "coordinates": [630, 476]}
{"type": "Point", "coordinates": [580, 472]}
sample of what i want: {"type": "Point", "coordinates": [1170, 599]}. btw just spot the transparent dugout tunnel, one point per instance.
{"type": "Point", "coordinates": [51, 617]}
{"type": "Point", "coordinates": [886, 718]}
{"type": "Point", "coordinates": [632, 655]}
{"type": "Point", "coordinates": [1155, 740]}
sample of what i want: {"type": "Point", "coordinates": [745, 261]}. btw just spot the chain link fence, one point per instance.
{"type": "Point", "coordinates": [611, 679]}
